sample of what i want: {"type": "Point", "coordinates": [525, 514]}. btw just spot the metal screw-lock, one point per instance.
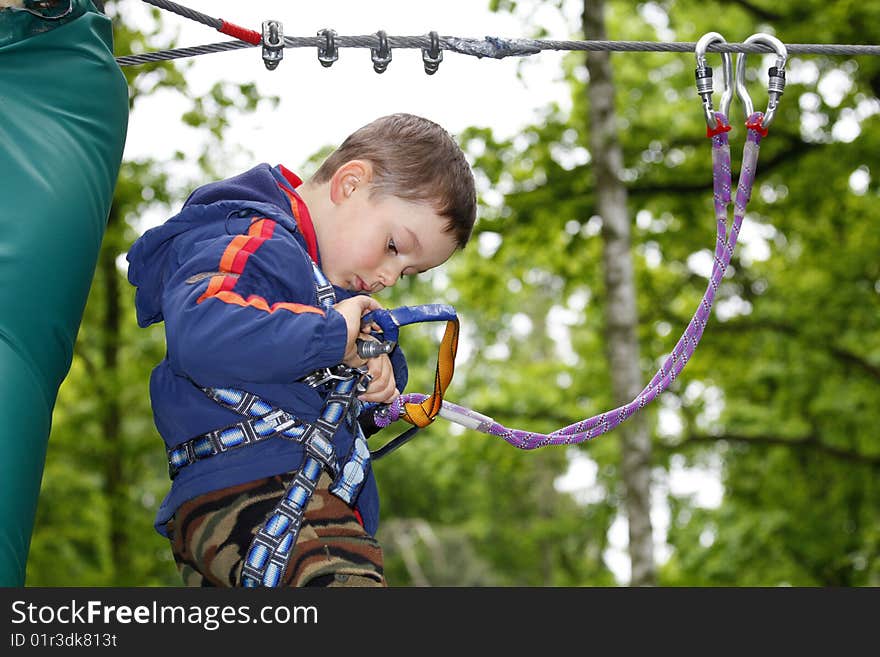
{"type": "Point", "coordinates": [273, 44]}
{"type": "Point", "coordinates": [373, 348]}
{"type": "Point", "coordinates": [328, 53]}
{"type": "Point", "coordinates": [382, 55]}
{"type": "Point", "coordinates": [703, 75]}
{"type": "Point", "coordinates": [776, 85]}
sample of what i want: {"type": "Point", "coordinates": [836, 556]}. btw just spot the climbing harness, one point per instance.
{"type": "Point", "coordinates": [717, 129]}
{"type": "Point", "coordinates": [270, 551]}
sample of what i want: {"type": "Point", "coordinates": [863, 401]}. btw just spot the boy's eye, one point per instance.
{"type": "Point", "coordinates": [392, 247]}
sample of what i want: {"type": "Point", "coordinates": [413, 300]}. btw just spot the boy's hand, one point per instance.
{"type": "Point", "coordinates": [382, 388]}
{"type": "Point", "coordinates": [353, 309]}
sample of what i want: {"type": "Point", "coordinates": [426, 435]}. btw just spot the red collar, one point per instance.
{"type": "Point", "coordinates": [300, 210]}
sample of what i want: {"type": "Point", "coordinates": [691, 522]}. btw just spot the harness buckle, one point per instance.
{"type": "Point", "coordinates": [190, 458]}
{"type": "Point", "coordinates": [275, 417]}
{"type": "Point", "coordinates": [281, 421]}
{"type": "Point", "coordinates": [327, 375]}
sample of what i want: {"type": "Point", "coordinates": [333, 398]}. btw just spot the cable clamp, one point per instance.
{"type": "Point", "coordinates": [328, 53]}
{"type": "Point", "coordinates": [273, 44]}
{"type": "Point", "coordinates": [433, 55]}
{"type": "Point", "coordinates": [382, 54]}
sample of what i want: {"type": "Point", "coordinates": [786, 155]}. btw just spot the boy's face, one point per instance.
{"type": "Point", "coordinates": [372, 242]}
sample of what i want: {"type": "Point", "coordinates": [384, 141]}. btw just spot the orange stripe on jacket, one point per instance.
{"type": "Point", "coordinates": [242, 246]}
{"type": "Point", "coordinates": [213, 287]}
{"type": "Point", "coordinates": [231, 251]}
{"type": "Point", "coordinates": [260, 303]}
{"type": "Point", "coordinates": [233, 261]}
{"type": "Point", "coordinates": [262, 228]}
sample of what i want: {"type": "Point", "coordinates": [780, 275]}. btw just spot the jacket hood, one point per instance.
{"type": "Point", "coordinates": [150, 255]}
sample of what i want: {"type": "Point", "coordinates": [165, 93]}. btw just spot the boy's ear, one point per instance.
{"type": "Point", "coordinates": [351, 176]}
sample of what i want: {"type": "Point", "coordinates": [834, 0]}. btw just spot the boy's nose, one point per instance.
{"type": "Point", "coordinates": [388, 276]}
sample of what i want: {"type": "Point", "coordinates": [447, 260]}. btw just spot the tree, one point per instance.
{"type": "Point", "coordinates": [621, 319]}
{"type": "Point", "coordinates": [778, 391]}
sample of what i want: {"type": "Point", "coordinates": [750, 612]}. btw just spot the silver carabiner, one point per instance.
{"type": "Point", "coordinates": [704, 78]}
{"type": "Point", "coordinates": [775, 87]}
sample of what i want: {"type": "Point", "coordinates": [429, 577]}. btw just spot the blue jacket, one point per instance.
{"type": "Point", "coordinates": [231, 277]}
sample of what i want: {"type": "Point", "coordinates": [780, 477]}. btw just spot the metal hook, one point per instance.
{"type": "Point", "coordinates": [382, 55]}
{"type": "Point", "coordinates": [45, 6]}
{"type": "Point", "coordinates": [328, 53]}
{"type": "Point", "coordinates": [433, 55]}
{"type": "Point", "coordinates": [273, 44]}
{"type": "Point", "coordinates": [704, 78]}
{"type": "Point", "coordinates": [775, 87]}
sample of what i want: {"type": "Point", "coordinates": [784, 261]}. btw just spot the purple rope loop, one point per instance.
{"type": "Point", "coordinates": [597, 425]}
{"type": "Point", "coordinates": [391, 413]}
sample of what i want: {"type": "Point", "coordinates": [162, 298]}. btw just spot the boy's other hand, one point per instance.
{"type": "Point", "coordinates": [353, 309]}
{"type": "Point", "coordinates": [382, 388]}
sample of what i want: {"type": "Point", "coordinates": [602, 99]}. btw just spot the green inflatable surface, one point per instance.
{"type": "Point", "coordinates": [63, 121]}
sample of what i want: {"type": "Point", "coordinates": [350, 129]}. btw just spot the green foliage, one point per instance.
{"type": "Point", "coordinates": [785, 383]}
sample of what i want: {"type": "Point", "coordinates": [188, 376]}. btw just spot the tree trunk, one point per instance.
{"type": "Point", "coordinates": [111, 416]}
{"type": "Point", "coordinates": [621, 317]}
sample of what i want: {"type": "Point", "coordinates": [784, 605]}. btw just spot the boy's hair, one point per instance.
{"type": "Point", "coordinates": [416, 160]}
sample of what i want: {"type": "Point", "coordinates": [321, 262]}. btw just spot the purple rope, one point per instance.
{"type": "Point", "coordinates": [673, 365]}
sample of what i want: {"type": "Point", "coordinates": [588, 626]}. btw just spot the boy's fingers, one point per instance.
{"type": "Point", "coordinates": [383, 397]}
{"type": "Point", "coordinates": [369, 303]}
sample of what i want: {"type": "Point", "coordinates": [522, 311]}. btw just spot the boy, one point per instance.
{"type": "Point", "coordinates": [255, 338]}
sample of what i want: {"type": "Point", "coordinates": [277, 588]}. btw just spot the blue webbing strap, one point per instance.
{"type": "Point", "coordinates": [269, 553]}
{"type": "Point", "coordinates": [270, 550]}
{"type": "Point", "coordinates": [264, 421]}
{"type": "Point", "coordinates": [323, 288]}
